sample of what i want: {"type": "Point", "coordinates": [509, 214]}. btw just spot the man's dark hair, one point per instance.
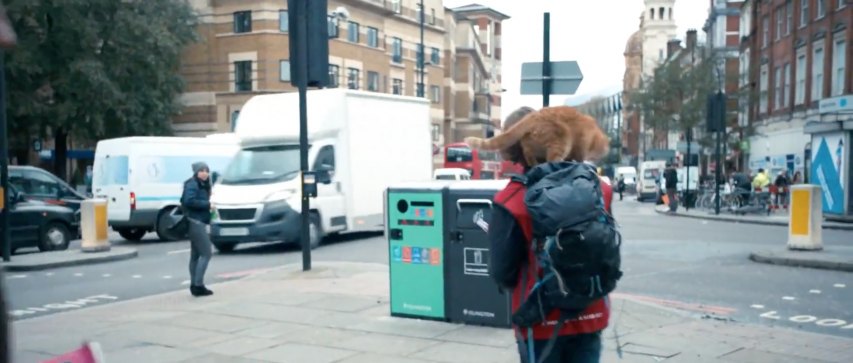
{"type": "Point", "coordinates": [514, 152]}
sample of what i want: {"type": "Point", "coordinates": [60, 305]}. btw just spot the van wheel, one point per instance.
{"type": "Point", "coordinates": [315, 231]}
{"type": "Point", "coordinates": [132, 234]}
{"type": "Point", "coordinates": [164, 220]}
{"type": "Point", "coordinates": [55, 237]}
{"type": "Point", "coordinates": [224, 247]}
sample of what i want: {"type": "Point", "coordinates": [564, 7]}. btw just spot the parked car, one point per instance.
{"type": "Point", "coordinates": [33, 223]}
{"type": "Point", "coordinates": [39, 184]}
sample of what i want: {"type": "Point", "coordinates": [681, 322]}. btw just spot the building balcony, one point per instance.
{"type": "Point", "coordinates": [389, 7]}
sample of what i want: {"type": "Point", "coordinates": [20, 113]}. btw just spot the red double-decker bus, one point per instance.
{"type": "Point", "coordinates": [481, 164]}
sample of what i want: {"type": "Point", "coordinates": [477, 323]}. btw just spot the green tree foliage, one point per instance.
{"type": "Point", "coordinates": [95, 69]}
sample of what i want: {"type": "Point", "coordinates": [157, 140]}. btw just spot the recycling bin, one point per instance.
{"type": "Point", "coordinates": [415, 231]}
{"type": "Point", "coordinates": [472, 296]}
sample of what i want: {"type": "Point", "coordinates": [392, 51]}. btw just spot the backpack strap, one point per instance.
{"type": "Point", "coordinates": [553, 339]}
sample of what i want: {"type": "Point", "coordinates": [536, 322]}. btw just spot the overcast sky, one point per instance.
{"type": "Point", "coordinates": [591, 32]}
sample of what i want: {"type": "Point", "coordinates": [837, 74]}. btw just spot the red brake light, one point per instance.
{"type": "Point", "coordinates": [132, 201]}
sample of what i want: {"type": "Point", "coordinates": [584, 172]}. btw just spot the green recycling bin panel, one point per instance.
{"type": "Point", "coordinates": [415, 249]}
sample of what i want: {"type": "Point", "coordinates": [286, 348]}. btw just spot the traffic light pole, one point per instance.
{"type": "Point", "coordinates": [4, 166]}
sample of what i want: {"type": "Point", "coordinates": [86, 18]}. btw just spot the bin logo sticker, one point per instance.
{"type": "Point", "coordinates": [407, 254]}
{"type": "Point", "coordinates": [396, 253]}
{"type": "Point", "coordinates": [476, 261]}
{"type": "Point", "coordinates": [416, 255]}
{"type": "Point", "coordinates": [434, 256]}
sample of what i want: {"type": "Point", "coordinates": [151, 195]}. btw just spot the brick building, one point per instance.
{"type": "Point", "coordinates": [631, 82]}
{"type": "Point", "coordinates": [244, 52]}
{"type": "Point", "coordinates": [798, 58]}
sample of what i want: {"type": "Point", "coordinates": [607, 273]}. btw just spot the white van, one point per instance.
{"type": "Point", "coordinates": [363, 141]}
{"type": "Point", "coordinates": [451, 174]}
{"type": "Point", "coordinates": [142, 178]}
{"type": "Point", "coordinates": [650, 173]}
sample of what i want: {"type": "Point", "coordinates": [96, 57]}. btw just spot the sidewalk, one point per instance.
{"type": "Point", "coordinates": [339, 312]}
{"type": "Point", "coordinates": [778, 218]}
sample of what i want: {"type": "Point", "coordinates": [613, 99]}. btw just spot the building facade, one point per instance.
{"type": "Point", "coordinates": [658, 28]}
{"type": "Point", "coordinates": [798, 63]}
{"type": "Point", "coordinates": [373, 46]}
{"type": "Point", "coordinates": [631, 82]}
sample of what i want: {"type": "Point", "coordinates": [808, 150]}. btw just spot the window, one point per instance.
{"type": "Point", "coordinates": [333, 27]}
{"type": "Point", "coordinates": [786, 83]}
{"type": "Point", "coordinates": [660, 55]}
{"type": "Point", "coordinates": [395, 6]}
{"type": "Point", "coordinates": [373, 81]}
{"type": "Point", "coordinates": [325, 158]}
{"type": "Point", "coordinates": [352, 32]}
{"type": "Point", "coordinates": [804, 13]}
{"type": "Point", "coordinates": [435, 57]}
{"type": "Point", "coordinates": [800, 93]}
{"type": "Point", "coordinates": [334, 76]}
{"type": "Point", "coordinates": [235, 115]}
{"type": "Point", "coordinates": [459, 154]}
{"type": "Point", "coordinates": [817, 73]}
{"type": "Point", "coordinates": [762, 90]}
{"type": "Point", "coordinates": [283, 21]}
{"type": "Point", "coordinates": [780, 22]}
{"type": "Point", "coordinates": [41, 184]}
{"type": "Point", "coordinates": [243, 76]}
{"type": "Point", "coordinates": [353, 80]}
{"type": "Point", "coordinates": [372, 37]}
{"type": "Point", "coordinates": [397, 50]}
{"type": "Point", "coordinates": [789, 21]}
{"type": "Point", "coordinates": [242, 22]}
{"type": "Point", "coordinates": [842, 4]}
{"type": "Point", "coordinates": [821, 9]}
{"type": "Point", "coordinates": [652, 13]}
{"type": "Point", "coordinates": [419, 90]}
{"type": "Point", "coordinates": [284, 70]}
{"type": "Point", "coordinates": [839, 60]}
{"type": "Point", "coordinates": [777, 88]}
{"type": "Point", "coordinates": [435, 94]}
{"type": "Point", "coordinates": [397, 86]}
{"type": "Point", "coordinates": [432, 17]}
{"type": "Point", "coordinates": [765, 32]}
{"type": "Point", "coordinates": [436, 132]}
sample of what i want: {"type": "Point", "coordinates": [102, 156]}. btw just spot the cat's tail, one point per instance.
{"type": "Point", "coordinates": [506, 139]}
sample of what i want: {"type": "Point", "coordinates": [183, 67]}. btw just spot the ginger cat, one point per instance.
{"type": "Point", "coordinates": [551, 134]}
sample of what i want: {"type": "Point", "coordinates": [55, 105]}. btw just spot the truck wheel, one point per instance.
{"type": "Point", "coordinates": [315, 231]}
{"type": "Point", "coordinates": [55, 237]}
{"type": "Point", "coordinates": [132, 234]}
{"type": "Point", "coordinates": [164, 221]}
{"type": "Point", "coordinates": [224, 247]}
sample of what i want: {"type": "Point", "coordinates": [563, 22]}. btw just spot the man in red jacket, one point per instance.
{"type": "Point", "coordinates": [510, 236]}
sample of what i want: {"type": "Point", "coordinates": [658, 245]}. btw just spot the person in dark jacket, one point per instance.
{"type": "Point", "coordinates": [195, 202]}
{"type": "Point", "coordinates": [510, 238]}
{"type": "Point", "coordinates": [671, 177]}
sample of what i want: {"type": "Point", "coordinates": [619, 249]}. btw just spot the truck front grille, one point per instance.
{"type": "Point", "coordinates": [237, 214]}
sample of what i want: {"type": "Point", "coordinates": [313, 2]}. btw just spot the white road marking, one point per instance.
{"type": "Point", "coordinates": [186, 250]}
{"type": "Point", "coordinates": [789, 298]}
{"type": "Point", "coordinates": [757, 306]}
{"type": "Point", "coordinates": [11, 277]}
{"type": "Point", "coordinates": [185, 282]}
{"type": "Point", "coordinates": [802, 319]}
{"type": "Point", "coordinates": [770, 315]}
{"type": "Point", "coordinates": [167, 277]}
{"type": "Point", "coordinates": [137, 276]}
{"type": "Point", "coordinates": [825, 322]}
{"type": "Point", "coordinates": [68, 304]}
{"type": "Point", "coordinates": [831, 322]}
{"type": "Point", "coordinates": [814, 291]}
{"type": "Point", "coordinates": [48, 274]}
{"type": "Point", "coordinates": [78, 274]}
{"type": "Point", "coordinates": [840, 286]}
{"type": "Point", "coordinates": [106, 275]}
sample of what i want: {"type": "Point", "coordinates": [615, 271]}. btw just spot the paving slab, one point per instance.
{"type": "Point", "coordinates": [49, 260]}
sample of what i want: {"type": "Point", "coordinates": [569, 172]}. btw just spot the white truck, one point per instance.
{"type": "Point", "coordinates": [142, 178]}
{"type": "Point", "coordinates": [363, 140]}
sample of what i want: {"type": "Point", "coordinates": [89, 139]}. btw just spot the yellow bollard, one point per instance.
{"type": "Point", "coordinates": [93, 225]}
{"type": "Point", "coordinates": [805, 221]}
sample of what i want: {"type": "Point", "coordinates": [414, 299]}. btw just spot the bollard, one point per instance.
{"type": "Point", "coordinates": [93, 225]}
{"type": "Point", "coordinates": [805, 218]}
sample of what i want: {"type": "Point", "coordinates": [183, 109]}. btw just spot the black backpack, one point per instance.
{"type": "Point", "coordinates": [575, 242]}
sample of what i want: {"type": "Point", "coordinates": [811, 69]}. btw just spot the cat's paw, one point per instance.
{"type": "Point", "coordinates": [474, 142]}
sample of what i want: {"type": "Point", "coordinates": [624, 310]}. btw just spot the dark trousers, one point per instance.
{"type": "Point", "coordinates": [200, 251]}
{"type": "Point", "coordinates": [584, 348]}
{"type": "Point", "coordinates": [673, 203]}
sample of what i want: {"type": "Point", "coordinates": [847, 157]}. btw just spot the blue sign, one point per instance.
{"type": "Point", "coordinates": [827, 174]}
{"type": "Point", "coordinates": [416, 255]}
{"type": "Point", "coordinates": [396, 253]}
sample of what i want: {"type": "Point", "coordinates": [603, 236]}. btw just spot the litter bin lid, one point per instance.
{"type": "Point", "coordinates": [435, 185]}
{"type": "Point", "coordinates": [478, 184]}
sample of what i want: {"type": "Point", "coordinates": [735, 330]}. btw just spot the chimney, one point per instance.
{"type": "Point", "coordinates": [672, 46]}
{"type": "Point", "coordinates": [691, 39]}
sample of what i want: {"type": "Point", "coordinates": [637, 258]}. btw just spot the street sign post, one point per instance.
{"type": "Point", "coordinates": [546, 77]}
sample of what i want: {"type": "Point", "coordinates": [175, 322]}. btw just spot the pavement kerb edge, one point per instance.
{"type": "Point", "coordinates": [785, 261]}
{"type": "Point", "coordinates": [750, 221]}
{"type": "Point", "coordinates": [132, 253]}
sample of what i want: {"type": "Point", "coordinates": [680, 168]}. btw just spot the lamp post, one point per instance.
{"type": "Point", "coordinates": [8, 40]}
{"type": "Point", "coordinates": [421, 55]}
{"type": "Point", "coordinates": [720, 121]}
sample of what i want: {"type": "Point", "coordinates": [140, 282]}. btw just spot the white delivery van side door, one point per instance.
{"type": "Point", "coordinates": [111, 176]}
{"type": "Point", "coordinates": [330, 197]}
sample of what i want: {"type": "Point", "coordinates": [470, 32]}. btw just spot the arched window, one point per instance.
{"type": "Point", "coordinates": [234, 116]}
{"type": "Point", "coordinates": [652, 14]}
{"type": "Point", "coordinates": [670, 13]}
{"type": "Point", "coordinates": [662, 14]}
